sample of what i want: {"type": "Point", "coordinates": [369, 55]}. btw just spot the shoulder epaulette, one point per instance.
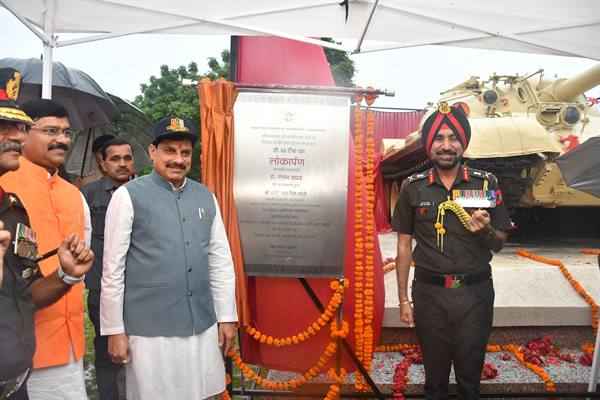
{"type": "Point", "coordinates": [417, 176]}
{"type": "Point", "coordinates": [14, 200]}
{"type": "Point", "coordinates": [477, 173]}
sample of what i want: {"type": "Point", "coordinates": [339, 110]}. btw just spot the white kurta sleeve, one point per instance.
{"type": "Point", "coordinates": [117, 237]}
{"type": "Point", "coordinates": [222, 274]}
{"type": "Point", "coordinates": [87, 221]}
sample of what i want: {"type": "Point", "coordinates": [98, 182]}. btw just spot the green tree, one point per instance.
{"type": "Point", "coordinates": [218, 70]}
{"type": "Point", "coordinates": [166, 96]}
{"type": "Point", "coordinates": [342, 67]}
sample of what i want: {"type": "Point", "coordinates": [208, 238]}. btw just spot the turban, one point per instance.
{"type": "Point", "coordinates": [446, 117]}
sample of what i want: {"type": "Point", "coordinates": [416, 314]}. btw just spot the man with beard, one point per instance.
{"type": "Point", "coordinates": [117, 162]}
{"type": "Point", "coordinates": [452, 288]}
{"type": "Point", "coordinates": [22, 286]}
{"type": "Point", "coordinates": [56, 209]}
{"type": "Point", "coordinates": [168, 285]}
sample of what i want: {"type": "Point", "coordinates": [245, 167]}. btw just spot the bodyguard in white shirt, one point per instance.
{"type": "Point", "coordinates": [168, 285]}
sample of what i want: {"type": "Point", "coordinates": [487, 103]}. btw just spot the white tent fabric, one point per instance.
{"type": "Point", "coordinates": [549, 27]}
{"type": "Point", "coordinates": [568, 28]}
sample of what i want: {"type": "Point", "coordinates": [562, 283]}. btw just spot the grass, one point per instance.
{"type": "Point", "coordinates": [89, 370]}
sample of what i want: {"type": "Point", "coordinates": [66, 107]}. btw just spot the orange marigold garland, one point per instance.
{"type": "Point", "coordinates": [516, 351]}
{"type": "Point", "coordinates": [291, 384]}
{"type": "Point", "coordinates": [312, 329]}
{"type": "Point", "coordinates": [590, 251]}
{"type": "Point", "coordinates": [401, 348]}
{"type": "Point", "coordinates": [334, 390]}
{"type": "Point", "coordinates": [588, 348]}
{"type": "Point", "coordinates": [368, 304]}
{"type": "Point", "coordinates": [539, 371]}
{"type": "Point", "coordinates": [576, 285]}
{"type": "Point", "coordinates": [359, 255]}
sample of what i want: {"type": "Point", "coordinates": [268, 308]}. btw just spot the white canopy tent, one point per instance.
{"type": "Point", "coordinates": [555, 27]}
{"type": "Point", "coordinates": [548, 27]}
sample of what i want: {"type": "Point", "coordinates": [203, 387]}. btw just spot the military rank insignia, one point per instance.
{"type": "Point", "coordinates": [475, 198]}
{"type": "Point", "coordinates": [444, 108]}
{"type": "Point", "coordinates": [177, 125]}
{"type": "Point", "coordinates": [26, 245]}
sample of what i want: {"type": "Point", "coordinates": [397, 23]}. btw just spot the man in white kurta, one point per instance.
{"type": "Point", "coordinates": [168, 285]}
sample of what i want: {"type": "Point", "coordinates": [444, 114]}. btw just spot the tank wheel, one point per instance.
{"type": "Point", "coordinates": [513, 175]}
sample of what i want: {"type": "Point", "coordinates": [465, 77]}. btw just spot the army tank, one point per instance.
{"type": "Point", "coordinates": [519, 125]}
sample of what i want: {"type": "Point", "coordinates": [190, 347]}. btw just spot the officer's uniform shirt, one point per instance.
{"type": "Point", "coordinates": [416, 214]}
{"type": "Point", "coordinates": [17, 338]}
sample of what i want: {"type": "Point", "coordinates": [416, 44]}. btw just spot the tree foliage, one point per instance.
{"type": "Point", "coordinates": [166, 96]}
{"type": "Point", "coordinates": [341, 66]}
{"type": "Point", "coordinates": [218, 70]}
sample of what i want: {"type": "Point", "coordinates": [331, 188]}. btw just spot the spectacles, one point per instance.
{"type": "Point", "coordinates": [6, 126]}
{"type": "Point", "coordinates": [54, 132]}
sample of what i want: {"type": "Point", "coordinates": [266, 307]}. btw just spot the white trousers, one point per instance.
{"type": "Point", "coordinates": [175, 368]}
{"type": "Point", "coordinates": [63, 382]}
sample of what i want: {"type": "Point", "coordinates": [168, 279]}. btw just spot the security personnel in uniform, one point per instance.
{"type": "Point", "coordinates": [23, 289]}
{"type": "Point", "coordinates": [452, 291]}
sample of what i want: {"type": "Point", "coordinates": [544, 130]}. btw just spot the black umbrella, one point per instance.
{"type": "Point", "coordinates": [581, 166]}
{"type": "Point", "coordinates": [131, 125]}
{"type": "Point", "coordinates": [87, 103]}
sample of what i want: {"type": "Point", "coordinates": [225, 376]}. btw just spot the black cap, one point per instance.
{"type": "Point", "coordinates": [40, 108]}
{"type": "Point", "coordinates": [10, 82]}
{"type": "Point", "coordinates": [174, 128]}
{"type": "Point", "coordinates": [100, 141]}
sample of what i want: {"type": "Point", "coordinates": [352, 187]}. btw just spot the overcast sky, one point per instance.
{"type": "Point", "coordinates": [417, 75]}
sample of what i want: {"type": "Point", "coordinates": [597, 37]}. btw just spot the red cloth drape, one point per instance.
{"type": "Point", "coordinates": [382, 207]}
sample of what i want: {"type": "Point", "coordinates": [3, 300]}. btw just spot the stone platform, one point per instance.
{"type": "Point", "coordinates": [532, 299]}
{"type": "Point", "coordinates": [528, 293]}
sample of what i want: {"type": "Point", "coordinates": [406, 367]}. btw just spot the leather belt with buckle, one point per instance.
{"type": "Point", "coordinates": [12, 386]}
{"type": "Point", "coordinates": [452, 281]}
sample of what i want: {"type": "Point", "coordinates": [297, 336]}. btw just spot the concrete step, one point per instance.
{"type": "Point", "coordinates": [528, 293]}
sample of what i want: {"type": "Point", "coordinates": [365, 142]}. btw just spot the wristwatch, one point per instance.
{"type": "Point", "coordinates": [68, 279]}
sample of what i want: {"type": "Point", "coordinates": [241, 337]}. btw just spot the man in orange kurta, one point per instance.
{"type": "Point", "coordinates": [56, 208]}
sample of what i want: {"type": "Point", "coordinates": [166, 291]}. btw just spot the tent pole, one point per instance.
{"type": "Point", "coordinates": [49, 14]}
{"type": "Point", "coordinates": [364, 32]}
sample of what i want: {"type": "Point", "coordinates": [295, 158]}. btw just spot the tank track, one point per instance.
{"type": "Point", "coordinates": [513, 173]}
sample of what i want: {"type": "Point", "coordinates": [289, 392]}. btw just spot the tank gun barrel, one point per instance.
{"type": "Point", "coordinates": [568, 89]}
